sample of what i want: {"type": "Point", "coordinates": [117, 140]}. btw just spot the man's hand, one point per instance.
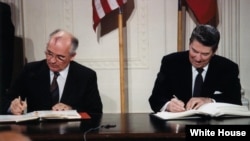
{"type": "Point", "coordinates": [175, 105]}
{"type": "Point", "coordinates": [17, 106]}
{"type": "Point", "coordinates": [61, 107]}
{"type": "Point", "coordinates": [196, 102]}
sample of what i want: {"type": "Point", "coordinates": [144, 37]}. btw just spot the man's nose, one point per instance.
{"type": "Point", "coordinates": [53, 59]}
{"type": "Point", "coordinates": [198, 57]}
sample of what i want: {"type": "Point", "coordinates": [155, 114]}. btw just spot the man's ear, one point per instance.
{"type": "Point", "coordinates": [73, 56]}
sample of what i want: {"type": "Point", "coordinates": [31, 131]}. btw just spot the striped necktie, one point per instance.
{"type": "Point", "coordinates": [54, 89]}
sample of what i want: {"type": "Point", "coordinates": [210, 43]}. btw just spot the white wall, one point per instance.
{"type": "Point", "coordinates": [151, 32]}
{"type": "Point", "coordinates": [245, 46]}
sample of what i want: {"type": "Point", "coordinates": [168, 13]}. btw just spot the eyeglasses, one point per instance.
{"type": "Point", "coordinates": [50, 55]}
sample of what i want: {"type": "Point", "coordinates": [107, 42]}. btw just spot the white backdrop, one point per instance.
{"type": "Point", "coordinates": [151, 32]}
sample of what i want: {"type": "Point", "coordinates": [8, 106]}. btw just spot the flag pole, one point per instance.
{"type": "Point", "coordinates": [181, 25]}
{"type": "Point", "coordinates": [121, 58]}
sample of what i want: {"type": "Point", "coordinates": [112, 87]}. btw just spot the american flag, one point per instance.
{"type": "Point", "coordinates": [103, 7]}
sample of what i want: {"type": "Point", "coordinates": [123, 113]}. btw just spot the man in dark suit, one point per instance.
{"type": "Point", "coordinates": [77, 84]}
{"type": "Point", "coordinates": [6, 49]}
{"type": "Point", "coordinates": [174, 85]}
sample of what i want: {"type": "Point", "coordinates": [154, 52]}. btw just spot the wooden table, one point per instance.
{"type": "Point", "coordinates": [129, 126]}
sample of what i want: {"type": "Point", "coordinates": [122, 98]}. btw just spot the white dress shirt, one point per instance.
{"type": "Point", "coordinates": [61, 79]}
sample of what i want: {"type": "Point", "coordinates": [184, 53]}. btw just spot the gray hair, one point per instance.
{"type": "Point", "coordinates": [74, 40]}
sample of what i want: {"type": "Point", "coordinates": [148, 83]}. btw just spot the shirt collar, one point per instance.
{"type": "Point", "coordinates": [63, 73]}
{"type": "Point", "coordinates": [204, 68]}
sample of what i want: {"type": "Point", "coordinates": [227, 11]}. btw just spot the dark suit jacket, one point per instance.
{"type": "Point", "coordinates": [80, 91]}
{"type": "Point", "coordinates": [6, 49]}
{"type": "Point", "coordinates": [175, 78]}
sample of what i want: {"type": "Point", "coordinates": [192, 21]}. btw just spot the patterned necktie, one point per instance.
{"type": "Point", "coordinates": [54, 89]}
{"type": "Point", "coordinates": [198, 83]}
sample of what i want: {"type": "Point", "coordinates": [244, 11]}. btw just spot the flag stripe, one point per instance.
{"type": "Point", "coordinates": [121, 2]}
{"type": "Point", "coordinates": [99, 9]}
{"type": "Point", "coordinates": [112, 4]}
{"type": "Point", "coordinates": [106, 7]}
{"type": "Point", "coordinates": [103, 7]}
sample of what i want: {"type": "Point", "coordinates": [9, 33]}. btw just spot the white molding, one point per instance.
{"type": "Point", "coordinates": [229, 17]}
{"type": "Point", "coordinates": [68, 15]}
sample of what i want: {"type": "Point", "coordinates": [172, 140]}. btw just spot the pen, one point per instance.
{"type": "Point", "coordinates": [176, 97]}
{"type": "Point", "coordinates": [179, 100]}
{"type": "Point", "coordinates": [20, 100]}
{"type": "Point", "coordinates": [22, 104]}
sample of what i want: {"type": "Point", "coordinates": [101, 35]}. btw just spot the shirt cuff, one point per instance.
{"type": "Point", "coordinates": [213, 101]}
{"type": "Point", "coordinates": [164, 107]}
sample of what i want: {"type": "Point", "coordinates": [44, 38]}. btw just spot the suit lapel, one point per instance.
{"type": "Point", "coordinates": [210, 80]}
{"type": "Point", "coordinates": [70, 84]}
{"type": "Point", "coordinates": [43, 77]}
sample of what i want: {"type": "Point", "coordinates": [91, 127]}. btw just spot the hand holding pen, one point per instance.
{"type": "Point", "coordinates": [18, 106]}
{"type": "Point", "coordinates": [176, 105]}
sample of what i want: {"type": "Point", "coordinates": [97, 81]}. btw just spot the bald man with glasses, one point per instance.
{"type": "Point", "coordinates": [76, 84]}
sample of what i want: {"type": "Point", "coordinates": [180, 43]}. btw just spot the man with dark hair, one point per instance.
{"type": "Point", "coordinates": [189, 79]}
